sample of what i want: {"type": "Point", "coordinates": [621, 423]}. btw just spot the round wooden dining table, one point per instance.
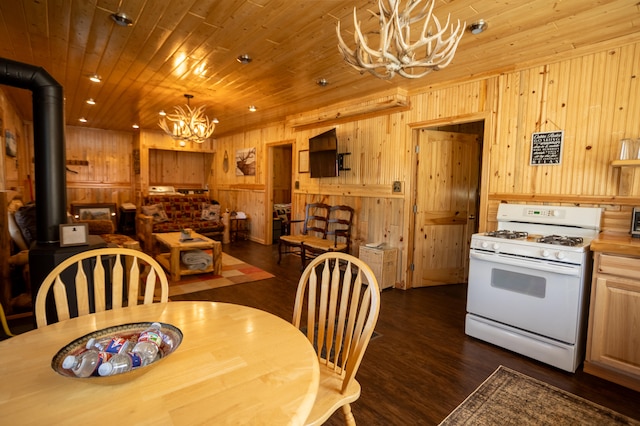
{"type": "Point", "coordinates": [235, 365]}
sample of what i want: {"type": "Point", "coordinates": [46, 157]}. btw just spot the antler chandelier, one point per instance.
{"type": "Point", "coordinates": [188, 125]}
{"type": "Point", "coordinates": [397, 53]}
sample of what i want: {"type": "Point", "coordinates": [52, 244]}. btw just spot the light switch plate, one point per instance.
{"type": "Point", "coordinates": [397, 186]}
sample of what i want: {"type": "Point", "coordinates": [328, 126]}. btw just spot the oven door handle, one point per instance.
{"type": "Point", "coordinates": [572, 270]}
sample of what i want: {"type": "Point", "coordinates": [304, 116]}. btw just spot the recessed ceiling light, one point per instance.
{"type": "Point", "coordinates": [121, 19]}
{"type": "Point", "coordinates": [135, 126]}
{"type": "Point", "coordinates": [95, 78]}
{"type": "Point", "coordinates": [215, 120]}
{"type": "Point", "coordinates": [82, 120]}
{"type": "Point", "coordinates": [244, 59]}
{"type": "Point", "coordinates": [90, 101]}
{"type": "Point", "coordinates": [162, 113]}
{"type": "Point", "coordinates": [252, 108]}
{"type": "Point", "coordinates": [478, 27]}
{"type": "Point", "coordinates": [323, 82]}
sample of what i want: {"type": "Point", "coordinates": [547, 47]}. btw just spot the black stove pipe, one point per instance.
{"type": "Point", "coordinates": [48, 144]}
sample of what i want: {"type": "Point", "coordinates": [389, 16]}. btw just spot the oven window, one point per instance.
{"type": "Point", "coordinates": [529, 285]}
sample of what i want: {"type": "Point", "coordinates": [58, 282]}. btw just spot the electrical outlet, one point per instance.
{"type": "Point", "coordinates": [397, 186]}
{"type": "Point", "coordinates": [296, 185]}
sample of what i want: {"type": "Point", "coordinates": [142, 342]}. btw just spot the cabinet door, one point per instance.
{"type": "Point", "coordinates": [615, 338]}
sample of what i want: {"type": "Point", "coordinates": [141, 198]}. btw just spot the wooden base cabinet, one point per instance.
{"type": "Point", "coordinates": [613, 342]}
{"type": "Point", "coordinates": [383, 261]}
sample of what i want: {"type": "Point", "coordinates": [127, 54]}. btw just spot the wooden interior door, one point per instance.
{"type": "Point", "coordinates": [446, 202]}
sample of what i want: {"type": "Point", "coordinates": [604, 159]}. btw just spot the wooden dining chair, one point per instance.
{"type": "Point", "coordinates": [337, 311]}
{"type": "Point", "coordinates": [338, 237]}
{"type": "Point", "coordinates": [315, 225]}
{"type": "Point", "coordinates": [126, 270]}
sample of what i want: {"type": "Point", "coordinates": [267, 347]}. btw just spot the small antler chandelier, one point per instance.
{"type": "Point", "coordinates": [397, 53]}
{"type": "Point", "coordinates": [188, 125]}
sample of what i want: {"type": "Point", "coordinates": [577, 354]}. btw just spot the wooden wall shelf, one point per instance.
{"type": "Point", "coordinates": [621, 163]}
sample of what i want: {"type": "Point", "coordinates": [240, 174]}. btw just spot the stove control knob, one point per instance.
{"type": "Point", "coordinates": [560, 255]}
{"type": "Point", "coordinates": [555, 213]}
{"type": "Point", "coordinates": [496, 246]}
{"type": "Point", "coordinates": [545, 253]}
{"type": "Point", "coordinates": [484, 244]}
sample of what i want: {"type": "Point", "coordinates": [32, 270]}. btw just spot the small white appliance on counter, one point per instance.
{"type": "Point", "coordinates": [529, 282]}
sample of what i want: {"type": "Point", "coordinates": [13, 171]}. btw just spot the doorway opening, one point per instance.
{"type": "Point", "coordinates": [279, 189]}
{"type": "Point", "coordinates": [446, 201]}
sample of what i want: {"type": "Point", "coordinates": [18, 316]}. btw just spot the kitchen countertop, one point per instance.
{"type": "Point", "coordinates": [617, 244]}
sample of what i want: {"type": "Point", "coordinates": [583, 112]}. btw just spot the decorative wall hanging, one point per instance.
{"type": "Point", "coordinates": [397, 52]}
{"type": "Point", "coordinates": [246, 162]}
{"type": "Point", "coordinates": [10, 144]}
{"type": "Point", "coordinates": [546, 148]}
{"type": "Point", "coordinates": [225, 162]}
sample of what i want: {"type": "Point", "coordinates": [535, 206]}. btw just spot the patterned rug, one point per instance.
{"type": "Point", "coordinates": [508, 397]}
{"type": "Point", "coordinates": [234, 271]}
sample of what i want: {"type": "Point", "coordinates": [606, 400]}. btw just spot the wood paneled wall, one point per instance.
{"type": "Point", "coordinates": [594, 99]}
{"type": "Point", "coordinates": [179, 169]}
{"type": "Point", "coordinates": [15, 171]}
{"type": "Point", "coordinates": [161, 160]}
{"type": "Point", "coordinates": [107, 175]}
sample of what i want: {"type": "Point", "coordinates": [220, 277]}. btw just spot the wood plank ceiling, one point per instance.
{"type": "Point", "coordinates": [190, 46]}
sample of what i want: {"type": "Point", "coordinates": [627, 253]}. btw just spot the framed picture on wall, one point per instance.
{"type": "Point", "coordinates": [246, 162]}
{"type": "Point", "coordinates": [303, 161]}
{"type": "Point", "coordinates": [95, 211]}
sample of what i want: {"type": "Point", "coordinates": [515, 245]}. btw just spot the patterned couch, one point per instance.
{"type": "Point", "coordinates": [169, 213]}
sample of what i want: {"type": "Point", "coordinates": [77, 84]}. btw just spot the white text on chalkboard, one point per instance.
{"type": "Point", "coordinates": [546, 148]}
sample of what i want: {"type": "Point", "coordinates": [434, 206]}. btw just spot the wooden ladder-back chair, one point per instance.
{"type": "Point", "coordinates": [128, 268]}
{"type": "Point", "coordinates": [341, 313]}
{"type": "Point", "coordinates": [315, 225]}
{"type": "Point", "coordinates": [338, 236]}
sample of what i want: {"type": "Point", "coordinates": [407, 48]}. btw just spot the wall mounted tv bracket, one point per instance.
{"type": "Point", "coordinates": [341, 161]}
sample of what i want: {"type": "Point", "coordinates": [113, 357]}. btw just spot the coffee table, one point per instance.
{"type": "Point", "coordinates": [171, 261]}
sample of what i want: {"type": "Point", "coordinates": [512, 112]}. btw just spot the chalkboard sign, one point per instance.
{"type": "Point", "coordinates": [546, 147]}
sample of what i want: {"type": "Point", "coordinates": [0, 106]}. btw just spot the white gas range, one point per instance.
{"type": "Point", "coordinates": [529, 280]}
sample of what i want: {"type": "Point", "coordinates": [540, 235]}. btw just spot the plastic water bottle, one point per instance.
{"type": "Point", "coordinates": [120, 363]}
{"type": "Point", "coordinates": [86, 363]}
{"type": "Point", "coordinates": [112, 345]}
{"type": "Point", "coordinates": [149, 343]}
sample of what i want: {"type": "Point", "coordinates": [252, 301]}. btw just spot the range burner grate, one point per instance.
{"type": "Point", "coordinates": [511, 235]}
{"type": "Point", "coordinates": [561, 240]}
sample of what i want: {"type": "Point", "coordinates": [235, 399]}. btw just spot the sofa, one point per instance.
{"type": "Point", "coordinates": [159, 213]}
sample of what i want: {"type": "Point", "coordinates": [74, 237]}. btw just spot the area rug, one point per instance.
{"type": "Point", "coordinates": [508, 397]}
{"type": "Point", "coordinates": [234, 271]}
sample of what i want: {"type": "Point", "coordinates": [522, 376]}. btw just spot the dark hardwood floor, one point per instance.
{"type": "Point", "coordinates": [422, 365]}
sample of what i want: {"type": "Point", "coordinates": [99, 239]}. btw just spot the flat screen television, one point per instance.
{"type": "Point", "coordinates": [323, 155]}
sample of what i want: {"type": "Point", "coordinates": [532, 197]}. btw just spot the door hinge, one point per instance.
{"type": "Point", "coordinates": [415, 208]}
{"type": "Point", "coordinates": [412, 267]}
{"type": "Point", "coordinates": [417, 149]}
